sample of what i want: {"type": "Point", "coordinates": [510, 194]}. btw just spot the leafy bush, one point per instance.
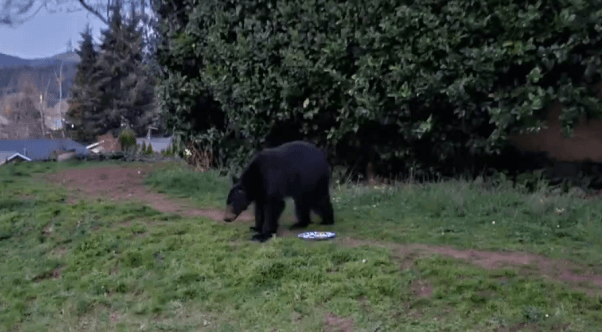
{"type": "Point", "coordinates": [425, 82]}
{"type": "Point", "coordinates": [127, 138]}
{"type": "Point", "coordinates": [149, 149]}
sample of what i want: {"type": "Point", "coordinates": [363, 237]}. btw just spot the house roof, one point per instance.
{"type": "Point", "coordinates": [41, 149]}
{"type": "Point", "coordinates": [10, 155]}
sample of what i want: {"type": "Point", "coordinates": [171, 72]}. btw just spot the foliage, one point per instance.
{"type": "Point", "coordinates": [43, 73]}
{"type": "Point", "coordinates": [22, 110]}
{"type": "Point", "coordinates": [426, 83]}
{"type": "Point", "coordinates": [186, 99]}
{"type": "Point", "coordinates": [127, 138]}
{"type": "Point", "coordinates": [169, 151]}
{"type": "Point", "coordinates": [127, 93]}
{"type": "Point", "coordinates": [149, 149]}
{"type": "Point", "coordinates": [83, 106]}
{"type": "Point", "coordinates": [151, 39]}
{"type": "Point", "coordinates": [113, 87]}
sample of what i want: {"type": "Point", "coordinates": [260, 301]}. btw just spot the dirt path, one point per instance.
{"type": "Point", "coordinates": [577, 275]}
{"type": "Point", "coordinates": [127, 183]}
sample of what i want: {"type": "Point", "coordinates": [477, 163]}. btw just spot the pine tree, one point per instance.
{"type": "Point", "coordinates": [110, 72]}
{"type": "Point", "coordinates": [127, 93]}
{"type": "Point", "coordinates": [84, 95]}
{"type": "Point", "coordinates": [138, 84]}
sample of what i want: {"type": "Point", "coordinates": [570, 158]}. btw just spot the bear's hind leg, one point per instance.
{"type": "Point", "coordinates": [324, 209]}
{"type": "Point", "coordinates": [302, 211]}
{"type": "Point", "coordinates": [281, 205]}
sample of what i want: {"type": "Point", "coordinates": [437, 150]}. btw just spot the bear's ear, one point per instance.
{"type": "Point", "coordinates": [234, 179]}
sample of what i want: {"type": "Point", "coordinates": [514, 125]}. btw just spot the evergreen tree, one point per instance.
{"type": "Point", "coordinates": [126, 90]}
{"type": "Point", "coordinates": [84, 96]}
{"type": "Point", "coordinates": [139, 87]}
{"type": "Point", "coordinates": [110, 72]}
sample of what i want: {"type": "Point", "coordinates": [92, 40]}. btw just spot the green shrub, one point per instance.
{"type": "Point", "coordinates": [423, 82]}
{"type": "Point", "coordinates": [127, 139]}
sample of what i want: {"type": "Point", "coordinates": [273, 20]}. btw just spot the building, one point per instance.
{"type": "Point", "coordinates": [159, 144]}
{"type": "Point", "coordinates": [42, 149]}
{"type": "Point", "coordinates": [8, 156]}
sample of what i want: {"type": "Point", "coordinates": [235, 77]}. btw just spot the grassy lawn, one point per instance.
{"type": "Point", "coordinates": [97, 266]}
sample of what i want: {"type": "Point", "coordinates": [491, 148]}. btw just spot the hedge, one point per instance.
{"type": "Point", "coordinates": [425, 83]}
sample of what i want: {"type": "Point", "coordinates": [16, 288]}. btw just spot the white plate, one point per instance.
{"type": "Point", "coordinates": [316, 235]}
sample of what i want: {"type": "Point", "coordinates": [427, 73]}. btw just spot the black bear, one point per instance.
{"type": "Point", "coordinates": [296, 169]}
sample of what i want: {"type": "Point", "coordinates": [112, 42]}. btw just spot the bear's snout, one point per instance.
{"type": "Point", "coordinates": [229, 215]}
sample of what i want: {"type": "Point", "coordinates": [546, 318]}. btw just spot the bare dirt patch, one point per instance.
{"type": "Point", "coordinates": [337, 324]}
{"type": "Point", "coordinates": [54, 274]}
{"type": "Point", "coordinates": [422, 289]}
{"type": "Point", "coordinates": [556, 269]}
{"type": "Point", "coordinates": [59, 252]}
{"type": "Point", "coordinates": [559, 269]}
{"type": "Point", "coordinates": [532, 327]}
{"type": "Point", "coordinates": [127, 184]}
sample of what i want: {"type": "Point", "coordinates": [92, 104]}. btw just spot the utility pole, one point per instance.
{"type": "Point", "coordinates": [59, 79]}
{"type": "Point", "coordinates": [43, 108]}
{"type": "Point", "coordinates": [42, 115]}
{"type": "Point", "coordinates": [148, 134]}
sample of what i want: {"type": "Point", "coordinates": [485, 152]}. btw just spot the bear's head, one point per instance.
{"type": "Point", "coordinates": [237, 201]}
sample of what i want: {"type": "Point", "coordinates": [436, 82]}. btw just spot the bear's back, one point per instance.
{"type": "Point", "coordinates": [296, 153]}
{"type": "Point", "coordinates": [296, 166]}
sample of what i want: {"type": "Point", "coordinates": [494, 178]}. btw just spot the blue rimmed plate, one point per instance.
{"type": "Point", "coordinates": [316, 235]}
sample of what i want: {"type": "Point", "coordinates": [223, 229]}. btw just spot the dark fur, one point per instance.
{"type": "Point", "coordinates": [297, 169]}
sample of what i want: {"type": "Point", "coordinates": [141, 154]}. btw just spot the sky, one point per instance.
{"type": "Point", "coordinates": [47, 34]}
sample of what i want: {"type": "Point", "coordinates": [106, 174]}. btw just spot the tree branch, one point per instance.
{"type": "Point", "coordinates": [93, 11]}
{"type": "Point", "coordinates": [10, 19]}
{"type": "Point", "coordinates": [12, 11]}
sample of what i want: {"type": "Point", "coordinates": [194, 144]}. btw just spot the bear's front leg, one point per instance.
{"type": "Point", "coordinates": [259, 217]}
{"type": "Point", "coordinates": [273, 210]}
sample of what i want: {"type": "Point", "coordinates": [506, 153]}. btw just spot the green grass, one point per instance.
{"type": "Point", "coordinates": [206, 189]}
{"type": "Point", "coordinates": [457, 213]}
{"type": "Point", "coordinates": [127, 267]}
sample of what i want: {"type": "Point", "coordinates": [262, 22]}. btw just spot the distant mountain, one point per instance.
{"type": "Point", "coordinates": [43, 70]}
{"type": "Point", "coordinates": [12, 61]}
{"type": "Point", "coordinates": [9, 61]}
